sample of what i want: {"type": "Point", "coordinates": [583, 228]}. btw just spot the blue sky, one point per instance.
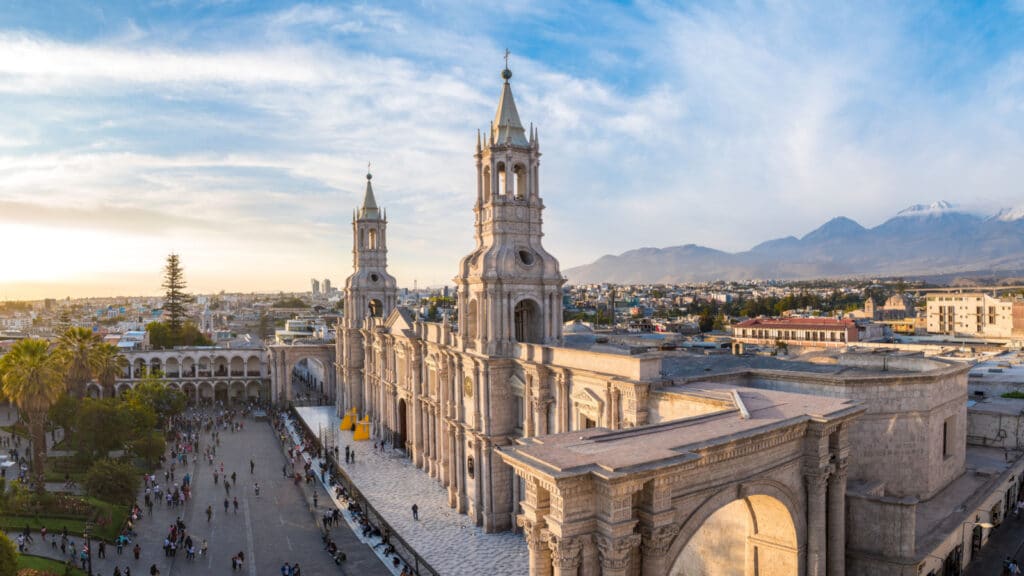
{"type": "Point", "coordinates": [237, 133]}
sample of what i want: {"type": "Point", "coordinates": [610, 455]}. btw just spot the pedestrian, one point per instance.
{"type": "Point", "coordinates": [257, 488]}
{"type": "Point", "coordinates": [227, 505]}
{"type": "Point", "coordinates": [284, 470]}
{"type": "Point", "coordinates": [209, 512]}
{"type": "Point", "coordinates": [102, 551]}
{"type": "Point", "coordinates": [233, 479]}
{"type": "Point", "coordinates": [227, 487]}
{"type": "Point", "coordinates": [252, 466]}
{"type": "Point", "coordinates": [127, 571]}
{"type": "Point", "coordinates": [117, 571]}
{"type": "Point", "coordinates": [236, 504]}
{"type": "Point", "coordinates": [315, 504]}
{"type": "Point", "coordinates": [203, 548]}
{"type": "Point", "coordinates": [286, 569]}
{"type": "Point", "coordinates": [296, 571]}
{"type": "Point", "coordinates": [415, 512]}
{"type": "Point", "coordinates": [153, 570]}
{"type": "Point", "coordinates": [136, 551]}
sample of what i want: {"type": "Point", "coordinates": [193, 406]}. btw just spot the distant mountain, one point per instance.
{"type": "Point", "coordinates": [924, 239]}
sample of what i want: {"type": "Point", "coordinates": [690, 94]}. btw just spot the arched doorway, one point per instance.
{"type": "Point", "coordinates": [528, 322]}
{"type": "Point", "coordinates": [376, 308]}
{"type": "Point", "coordinates": [400, 434]}
{"type": "Point", "coordinates": [220, 392]}
{"type": "Point", "coordinates": [745, 537]}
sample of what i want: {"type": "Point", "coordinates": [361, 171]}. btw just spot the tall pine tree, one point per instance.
{"type": "Point", "coordinates": [175, 297]}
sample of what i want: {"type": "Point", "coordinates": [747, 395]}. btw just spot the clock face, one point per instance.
{"type": "Point", "coordinates": [467, 386]}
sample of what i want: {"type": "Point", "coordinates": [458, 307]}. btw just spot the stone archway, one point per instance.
{"type": "Point", "coordinates": [191, 395]}
{"type": "Point", "coordinates": [284, 358]}
{"type": "Point", "coordinates": [757, 534]}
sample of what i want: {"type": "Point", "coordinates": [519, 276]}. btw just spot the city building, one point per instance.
{"type": "Point", "coordinates": [315, 286]}
{"type": "Point", "coordinates": [815, 331]}
{"type": "Point", "coordinates": [327, 286]}
{"type": "Point", "coordinates": [975, 314]}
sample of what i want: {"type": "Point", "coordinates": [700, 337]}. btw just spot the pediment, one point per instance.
{"type": "Point", "coordinates": [400, 319]}
{"type": "Point", "coordinates": [587, 397]}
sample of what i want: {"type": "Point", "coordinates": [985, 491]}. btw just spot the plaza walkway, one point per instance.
{"type": "Point", "coordinates": [449, 541]}
{"type": "Point", "coordinates": [276, 527]}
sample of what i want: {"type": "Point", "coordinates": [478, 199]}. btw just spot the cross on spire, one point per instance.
{"type": "Point", "coordinates": [507, 54]}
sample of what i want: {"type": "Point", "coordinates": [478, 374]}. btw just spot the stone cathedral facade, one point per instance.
{"type": "Point", "coordinates": [448, 397]}
{"type": "Point", "coordinates": [653, 463]}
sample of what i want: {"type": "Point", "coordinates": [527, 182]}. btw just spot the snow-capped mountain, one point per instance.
{"type": "Point", "coordinates": [924, 239]}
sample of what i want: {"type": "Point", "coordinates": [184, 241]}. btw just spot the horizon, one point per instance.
{"type": "Point", "coordinates": [237, 135]}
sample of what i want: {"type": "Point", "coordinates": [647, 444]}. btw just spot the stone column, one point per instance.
{"type": "Point", "coordinates": [837, 521]}
{"type": "Point", "coordinates": [540, 553]}
{"type": "Point", "coordinates": [566, 555]}
{"type": "Point", "coordinates": [816, 525]}
{"type": "Point", "coordinates": [615, 553]}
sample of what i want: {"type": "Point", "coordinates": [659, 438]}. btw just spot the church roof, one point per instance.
{"type": "Point", "coordinates": [369, 209]}
{"type": "Point", "coordinates": [507, 127]}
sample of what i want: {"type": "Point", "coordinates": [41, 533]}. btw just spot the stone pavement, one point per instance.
{"type": "Point", "coordinates": [449, 541]}
{"type": "Point", "coordinates": [276, 527]}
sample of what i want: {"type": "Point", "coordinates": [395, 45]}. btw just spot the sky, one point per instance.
{"type": "Point", "coordinates": [237, 134]}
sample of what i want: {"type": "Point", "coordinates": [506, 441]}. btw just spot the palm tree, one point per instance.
{"type": "Point", "coordinates": [31, 377]}
{"type": "Point", "coordinates": [77, 349]}
{"type": "Point", "coordinates": [107, 366]}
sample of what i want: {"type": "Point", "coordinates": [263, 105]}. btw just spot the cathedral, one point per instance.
{"type": "Point", "coordinates": [623, 462]}
{"type": "Point", "coordinates": [449, 398]}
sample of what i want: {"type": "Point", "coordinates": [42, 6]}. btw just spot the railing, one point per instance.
{"type": "Point", "coordinates": [402, 548]}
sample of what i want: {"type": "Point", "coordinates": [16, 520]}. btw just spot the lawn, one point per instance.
{"type": "Point", "coordinates": [114, 516]}
{"type": "Point", "coordinates": [45, 565]}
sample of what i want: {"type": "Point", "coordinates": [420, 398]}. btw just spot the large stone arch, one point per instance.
{"type": "Point", "coordinates": [528, 320]}
{"type": "Point", "coordinates": [772, 510]}
{"type": "Point", "coordinates": [284, 357]}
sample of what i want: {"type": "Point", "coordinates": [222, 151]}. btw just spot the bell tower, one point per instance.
{"type": "Point", "coordinates": [510, 287]}
{"type": "Point", "coordinates": [370, 292]}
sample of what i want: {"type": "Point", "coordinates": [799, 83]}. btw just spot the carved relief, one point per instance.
{"type": "Point", "coordinates": [566, 553]}
{"type": "Point", "coordinates": [614, 553]}
{"type": "Point", "coordinates": [657, 541]}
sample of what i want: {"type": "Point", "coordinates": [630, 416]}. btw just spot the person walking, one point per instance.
{"type": "Point", "coordinates": [102, 551]}
{"type": "Point", "coordinates": [227, 505]}
{"type": "Point", "coordinates": [252, 466]}
{"type": "Point", "coordinates": [136, 550]}
{"type": "Point", "coordinates": [202, 549]}
{"type": "Point", "coordinates": [415, 512]}
{"type": "Point", "coordinates": [236, 504]}
{"type": "Point", "coordinates": [209, 512]}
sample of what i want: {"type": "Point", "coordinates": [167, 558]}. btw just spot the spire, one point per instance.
{"type": "Point", "coordinates": [506, 119]}
{"type": "Point", "coordinates": [369, 209]}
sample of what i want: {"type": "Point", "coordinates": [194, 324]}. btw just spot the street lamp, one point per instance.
{"type": "Point", "coordinates": [963, 533]}
{"type": "Point", "coordinates": [88, 546]}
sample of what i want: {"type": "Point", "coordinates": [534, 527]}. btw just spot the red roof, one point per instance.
{"type": "Point", "coordinates": [799, 323]}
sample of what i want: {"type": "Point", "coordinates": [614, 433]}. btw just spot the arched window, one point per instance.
{"type": "Point", "coordinates": [487, 184]}
{"type": "Point", "coordinates": [469, 467]}
{"type": "Point", "coordinates": [471, 320]}
{"type": "Point", "coordinates": [520, 182]}
{"type": "Point", "coordinates": [372, 245]}
{"type": "Point", "coordinates": [362, 238]}
{"type": "Point", "coordinates": [528, 322]}
{"type": "Point", "coordinates": [501, 178]}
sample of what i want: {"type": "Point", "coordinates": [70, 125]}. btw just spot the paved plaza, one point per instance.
{"type": "Point", "coordinates": [449, 541]}
{"type": "Point", "coordinates": [276, 527]}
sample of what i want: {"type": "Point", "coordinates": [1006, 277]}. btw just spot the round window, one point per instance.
{"type": "Point", "coordinates": [526, 257]}
{"type": "Point", "coordinates": [374, 277]}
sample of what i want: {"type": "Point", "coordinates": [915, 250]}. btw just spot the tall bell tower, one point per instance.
{"type": "Point", "coordinates": [370, 292]}
{"type": "Point", "coordinates": [510, 287]}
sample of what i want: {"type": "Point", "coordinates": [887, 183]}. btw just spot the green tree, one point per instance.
{"type": "Point", "coordinates": [63, 414]}
{"type": "Point", "coordinates": [76, 348]}
{"type": "Point", "coordinates": [150, 447]}
{"type": "Point", "coordinates": [8, 555]}
{"type": "Point", "coordinates": [112, 481]}
{"type": "Point", "coordinates": [32, 379]}
{"type": "Point", "coordinates": [108, 365]}
{"type": "Point", "coordinates": [161, 335]}
{"type": "Point", "coordinates": [155, 394]}
{"type": "Point", "coordinates": [175, 297]}
{"type": "Point", "coordinates": [101, 427]}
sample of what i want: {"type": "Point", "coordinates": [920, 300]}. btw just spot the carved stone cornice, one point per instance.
{"type": "Point", "coordinates": [657, 540]}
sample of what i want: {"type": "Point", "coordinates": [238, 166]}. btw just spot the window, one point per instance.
{"type": "Point", "coordinates": [948, 429]}
{"type": "Point", "coordinates": [469, 467]}
{"type": "Point", "coordinates": [519, 412]}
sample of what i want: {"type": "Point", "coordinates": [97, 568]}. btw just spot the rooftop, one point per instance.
{"type": "Point", "coordinates": [613, 453]}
